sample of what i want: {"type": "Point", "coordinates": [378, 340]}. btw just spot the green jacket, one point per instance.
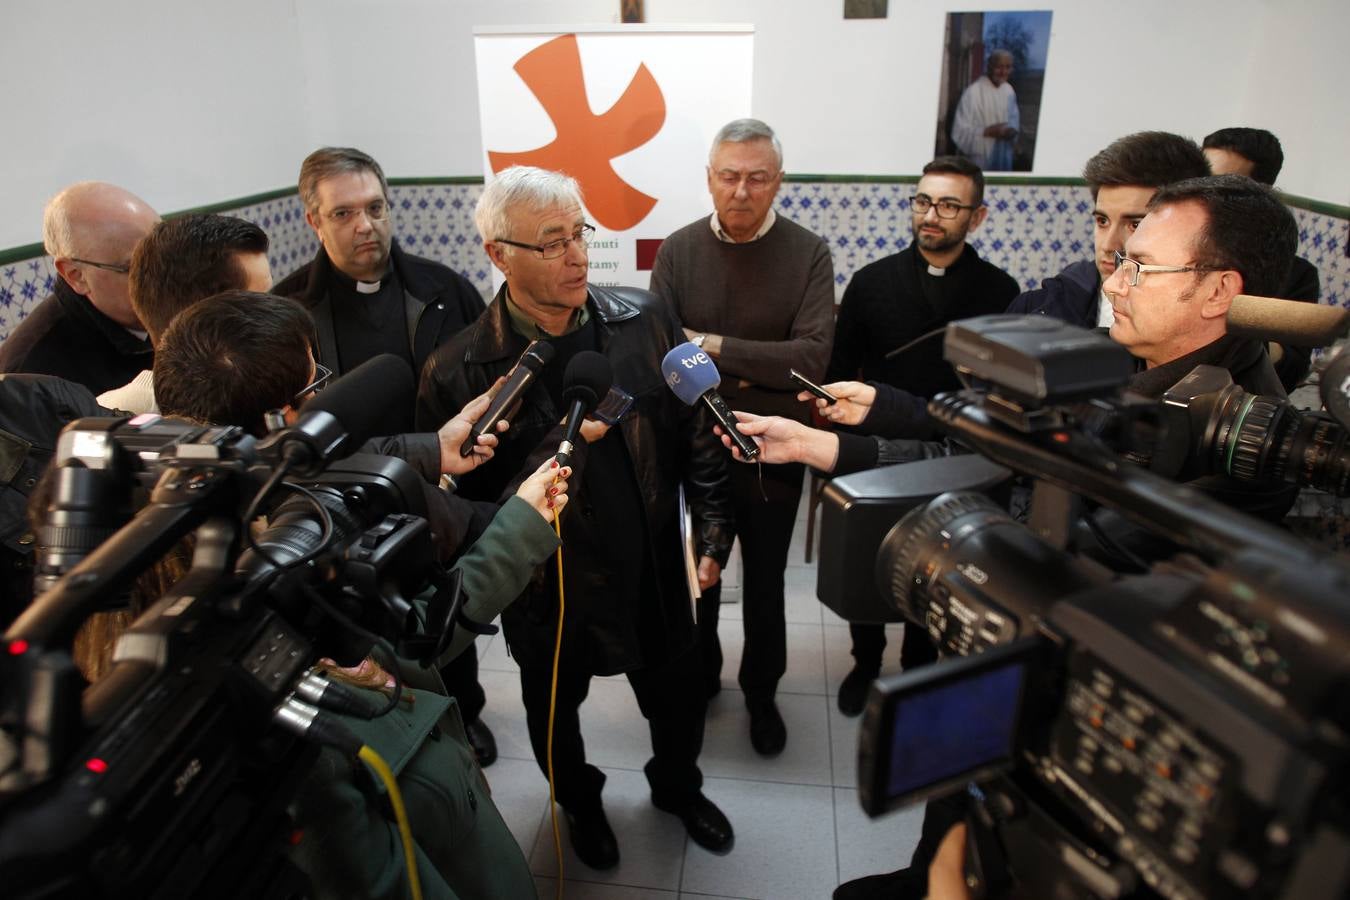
{"type": "Point", "coordinates": [350, 845]}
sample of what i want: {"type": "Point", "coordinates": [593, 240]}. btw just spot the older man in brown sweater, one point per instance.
{"type": "Point", "coordinates": [756, 291]}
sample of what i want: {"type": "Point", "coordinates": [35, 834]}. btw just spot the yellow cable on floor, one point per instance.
{"type": "Point", "coordinates": [376, 762]}
{"type": "Point", "coordinates": [552, 706]}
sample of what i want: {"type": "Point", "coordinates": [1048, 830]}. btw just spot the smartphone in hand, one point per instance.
{"type": "Point", "coordinates": [809, 385]}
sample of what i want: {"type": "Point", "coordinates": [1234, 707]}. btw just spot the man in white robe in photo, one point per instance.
{"type": "Point", "coordinates": [987, 120]}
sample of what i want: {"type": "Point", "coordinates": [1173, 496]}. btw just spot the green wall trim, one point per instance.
{"type": "Point", "coordinates": [1322, 207]}
{"type": "Point", "coordinates": [1317, 206]}
{"type": "Point", "coordinates": [439, 179]}
{"type": "Point", "coordinates": [224, 205]}
{"type": "Point", "coordinates": [18, 254]}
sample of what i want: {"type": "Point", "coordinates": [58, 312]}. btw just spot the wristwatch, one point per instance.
{"type": "Point", "coordinates": [698, 340]}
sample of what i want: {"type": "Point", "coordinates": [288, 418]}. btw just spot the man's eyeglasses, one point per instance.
{"type": "Point", "coordinates": [555, 249]}
{"type": "Point", "coordinates": [1133, 268]}
{"type": "Point", "coordinates": [119, 268]}
{"type": "Point", "coordinates": [754, 181]}
{"type": "Point", "coordinates": [322, 374]}
{"type": "Point", "coordinates": [375, 212]}
{"type": "Point", "coordinates": [946, 209]}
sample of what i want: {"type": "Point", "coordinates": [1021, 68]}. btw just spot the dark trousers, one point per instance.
{"type": "Point", "coordinates": [764, 528]}
{"type": "Point", "coordinates": [461, 682]}
{"type": "Point", "coordinates": [869, 640]}
{"type": "Point", "coordinates": [674, 713]}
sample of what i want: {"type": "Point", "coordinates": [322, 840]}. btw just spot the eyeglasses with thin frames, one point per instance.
{"type": "Point", "coordinates": [119, 268]}
{"type": "Point", "coordinates": [1131, 269]}
{"type": "Point", "coordinates": [377, 211]}
{"type": "Point", "coordinates": [555, 249]}
{"type": "Point", "coordinates": [946, 209]}
{"type": "Point", "coordinates": [322, 375]}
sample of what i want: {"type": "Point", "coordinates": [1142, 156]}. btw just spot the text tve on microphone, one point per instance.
{"type": "Point", "coordinates": [690, 373]}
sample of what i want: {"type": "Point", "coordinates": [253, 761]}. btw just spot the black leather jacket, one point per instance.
{"type": "Point", "coordinates": [438, 302]}
{"type": "Point", "coordinates": [668, 443]}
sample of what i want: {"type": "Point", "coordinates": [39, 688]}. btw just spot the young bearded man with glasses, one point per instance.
{"type": "Point", "coordinates": [938, 278]}
{"type": "Point", "coordinates": [756, 292]}
{"type": "Point", "coordinates": [86, 331]}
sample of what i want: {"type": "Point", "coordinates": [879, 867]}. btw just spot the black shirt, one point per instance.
{"type": "Point", "coordinates": [66, 336]}
{"type": "Point", "coordinates": [367, 325]}
{"type": "Point", "coordinates": [604, 526]}
{"type": "Point", "coordinates": [897, 299]}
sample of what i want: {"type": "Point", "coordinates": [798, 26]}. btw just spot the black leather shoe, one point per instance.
{"type": "Point", "coordinates": [768, 734]}
{"type": "Point", "coordinates": [704, 822]}
{"type": "Point", "coordinates": [483, 743]}
{"type": "Point", "coordinates": [593, 840]}
{"type": "Point", "coordinates": [853, 691]}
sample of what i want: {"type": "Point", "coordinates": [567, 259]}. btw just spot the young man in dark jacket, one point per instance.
{"type": "Point", "coordinates": [1122, 178]}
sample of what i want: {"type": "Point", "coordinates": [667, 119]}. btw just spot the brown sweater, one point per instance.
{"type": "Point", "coordinates": [772, 300]}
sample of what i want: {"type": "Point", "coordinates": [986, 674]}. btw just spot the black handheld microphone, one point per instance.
{"type": "Point", "coordinates": [586, 381]}
{"type": "Point", "coordinates": [693, 377]}
{"type": "Point", "coordinates": [522, 375]}
{"type": "Point", "coordinates": [362, 403]}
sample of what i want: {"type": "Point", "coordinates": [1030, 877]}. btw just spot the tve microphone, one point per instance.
{"type": "Point", "coordinates": [1294, 322]}
{"type": "Point", "coordinates": [586, 380]}
{"type": "Point", "coordinates": [693, 377]}
{"type": "Point", "coordinates": [336, 421]}
{"type": "Point", "coordinates": [526, 369]}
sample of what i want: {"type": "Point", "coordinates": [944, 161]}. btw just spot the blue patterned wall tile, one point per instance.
{"type": "Point", "coordinates": [1032, 232]}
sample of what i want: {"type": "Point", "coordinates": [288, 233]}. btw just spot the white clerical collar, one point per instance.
{"type": "Point", "coordinates": [936, 271]}
{"type": "Point", "coordinates": [368, 287]}
{"type": "Point", "coordinates": [728, 239]}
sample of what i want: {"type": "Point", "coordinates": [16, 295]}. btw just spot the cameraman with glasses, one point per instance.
{"type": "Point", "coordinates": [1200, 243]}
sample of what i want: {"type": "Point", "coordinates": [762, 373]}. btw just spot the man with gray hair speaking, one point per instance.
{"type": "Point", "coordinates": [623, 602]}
{"type": "Point", "coordinates": [756, 292]}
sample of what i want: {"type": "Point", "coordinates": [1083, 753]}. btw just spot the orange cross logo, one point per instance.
{"type": "Point", "coordinates": [586, 144]}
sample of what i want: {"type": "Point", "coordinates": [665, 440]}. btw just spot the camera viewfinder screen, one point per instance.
{"type": "Point", "coordinates": [956, 727]}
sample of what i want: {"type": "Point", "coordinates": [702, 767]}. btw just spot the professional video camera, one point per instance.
{"type": "Point", "coordinates": [1182, 733]}
{"type": "Point", "coordinates": [169, 776]}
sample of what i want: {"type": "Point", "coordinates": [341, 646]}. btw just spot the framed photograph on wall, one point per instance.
{"type": "Point", "coordinates": [993, 70]}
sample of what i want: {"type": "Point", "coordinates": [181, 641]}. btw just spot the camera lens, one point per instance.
{"type": "Point", "coordinates": [1259, 438]}
{"type": "Point", "coordinates": [962, 568]}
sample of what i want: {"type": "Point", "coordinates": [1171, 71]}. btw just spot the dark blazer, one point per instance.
{"type": "Point", "coordinates": [669, 444]}
{"type": "Point", "coordinates": [439, 302]}
{"type": "Point", "coordinates": [1071, 296]}
{"type": "Point", "coordinates": [66, 336]}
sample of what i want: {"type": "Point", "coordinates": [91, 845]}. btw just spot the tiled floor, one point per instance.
{"type": "Point", "coordinates": [799, 830]}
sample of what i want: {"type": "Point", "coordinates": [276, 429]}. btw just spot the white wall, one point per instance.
{"type": "Point", "coordinates": [189, 104]}
{"type": "Point", "coordinates": [1294, 84]}
{"type": "Point", "coordinates": [183, 103]}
